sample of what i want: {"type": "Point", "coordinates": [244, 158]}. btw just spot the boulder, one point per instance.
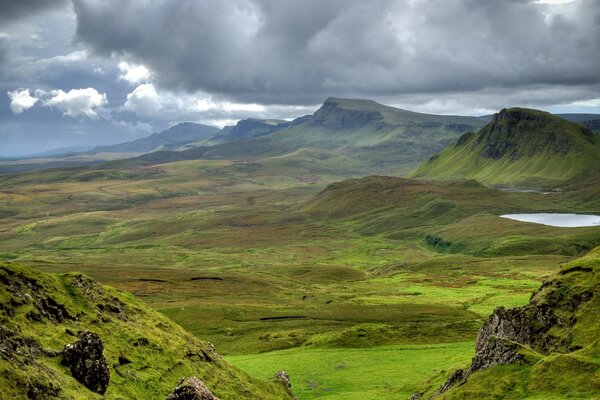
{"type": "Point", "coordinates": [191, 388]}
{"type": "Point", "coordinates": [284, 377]}
{"type": "Point", "coordinates": [87, 362]}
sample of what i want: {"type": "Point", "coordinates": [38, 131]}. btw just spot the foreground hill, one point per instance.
{"type": "Point", "coordinates": [546, 349]}
{"type": "Point", "coordinates": [378, 136]}
{"type": "Point", "coordinates": [519, 147]}
{"type": "Point", "coordinates": [144, 354]}
{"type": "Point", "coordinates": [173, 137]}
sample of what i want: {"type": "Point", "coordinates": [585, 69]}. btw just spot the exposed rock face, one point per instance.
{"type": "Point", "coordinates": [510, 134]}
{"type": "Point", "coordinates": [545, 324]}
{"type": "Point", "coordinates": [284, 377]}
{"type": "Point", "coordinates": [457, 376]}
{"type": "Point", "coordinates": [87, 362]}
{"type": "Point", "coordinates": [191, 389]}
{"type": "Point", "coordinates": [332, 115]}
{"type": "Point", "coordinates": [505, 327]}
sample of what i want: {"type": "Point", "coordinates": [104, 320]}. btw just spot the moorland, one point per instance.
{"type": "Point", "coordinates": [306, 249]}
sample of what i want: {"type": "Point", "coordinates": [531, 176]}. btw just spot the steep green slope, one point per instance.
{"type": "Point", "coordinates": [147, 353]}
{"type": "Point", "coordinates": [547, 349]}
{"type": "Point", "coordinates": [380, 136]}
{"type": "Point", "coordinates": [519, 147]}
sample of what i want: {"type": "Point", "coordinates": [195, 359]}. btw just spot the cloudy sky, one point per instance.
{"type": "Point", "coordinates": [88, 72]}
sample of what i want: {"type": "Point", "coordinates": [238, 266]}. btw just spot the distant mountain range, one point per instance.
{"type": "Point", "coordinates": [519, 147]}
{"type": "Point", "coordinates": [378, 136]}
{"type": "Point", "coordinates": [171, 138]}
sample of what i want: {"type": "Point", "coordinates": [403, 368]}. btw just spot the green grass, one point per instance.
{"type": "Point", "coordinates": [543, 151]}
{"type": "Point", "coordinates": [226, 248]}
{"type": "Point", "coordinates": [388, 372]}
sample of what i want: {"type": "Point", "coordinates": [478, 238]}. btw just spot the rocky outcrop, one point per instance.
{"type": "Point", "coordinates": [284, 378]}
{"type": "Point", "coordinates": [545, 325]}
{"type": "Point", "coordinates": [191, 388]}
{"type": "Point", "coordinates": [506, 330]}
{"type": "Point", "coordinates": [516, 133]}
{"type": "Point", "coordinates": [87, 362]}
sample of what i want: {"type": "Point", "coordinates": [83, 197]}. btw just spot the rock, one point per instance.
{"type": "Point", "coordinates": [87, 362]}
{"type": "Point", "coordinates": [191, 388]}
{"type": "Point", "coordinates": [457, 376]}
{"type": "Point", "coordinates": [284, 377]}
{"type": "Point", "coordinates": [496, 342]}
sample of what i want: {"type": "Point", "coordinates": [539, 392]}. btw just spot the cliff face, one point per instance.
{"type": "Point", "coordinates": [560, 319]}
{"type": "Point", "coordinates": [66, 336]}
{"type": "Point", "coordinates": [516, 133]}
{"type": "Point", "coordinates": [332, 115]}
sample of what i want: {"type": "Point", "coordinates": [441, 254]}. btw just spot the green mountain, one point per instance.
{"type": "Point", "coordinates": [378, 136]}
{"type": "Point", "coordinates": [67, 337]}
{"type": "Point", "coordinates": [547, 349]}
{"type": "Point", "coordinates": [519, 147]}
{"type": "Point", "coordinates": [170, 139]}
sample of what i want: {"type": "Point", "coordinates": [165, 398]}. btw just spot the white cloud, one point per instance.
{"type": "Point", "coordinates": [130, 126]}
{"type": "Point", "coordinates": [77, 102]}
{"type": "Point", "coordinates": [133, 74]}
{"type": "Point", "coordinates": [144, 100]}
{"type": "Point", "coordinates": [21, 100]}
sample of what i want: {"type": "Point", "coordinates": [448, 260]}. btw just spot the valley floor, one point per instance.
{"type": "Point", "coordinates": [229, 251]}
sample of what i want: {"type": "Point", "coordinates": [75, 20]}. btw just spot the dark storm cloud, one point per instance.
{"type": "Point", "coordinates": [12, 10]}
{"type": "Point", "coordinates": [273, 51]}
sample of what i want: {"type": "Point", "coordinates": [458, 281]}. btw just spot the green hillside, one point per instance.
{"type": "Point", "coordinates": [147, 354]}
{"type": "Point", "coordinates": [547, 349]}
{"type": "Point", "coordinates": [519, 147]}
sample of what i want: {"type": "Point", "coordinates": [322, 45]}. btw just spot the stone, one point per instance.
{"type": "Point", "coordinates": [87, 362]}
{"type": "Point", "coordinates": [284, 377]}
{"type": "Point", "coordinates": [191, 388]}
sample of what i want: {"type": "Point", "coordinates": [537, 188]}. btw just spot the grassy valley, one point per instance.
{"type": "Point", "coordinates": [287, 259]}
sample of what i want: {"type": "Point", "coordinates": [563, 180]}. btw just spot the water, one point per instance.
{"type": "Point", "coordinates": [559, 220]}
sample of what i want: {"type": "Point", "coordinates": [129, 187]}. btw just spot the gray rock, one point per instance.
{"type": "Point", "coordinates": [87, 362]}
{"type": "Point", "coordinates": [191, 388]}
{"type": "Point", "coordinates": [284, 377]}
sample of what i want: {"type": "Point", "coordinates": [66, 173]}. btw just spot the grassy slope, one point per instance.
{"type": "Point", "coordinates": [536, 165]}
{"type": "Point", "coordinates": [452, 216]}
{"type": "Point", "coordinates": [169, 354]}
{"type": "Point", "coordinates": [571, 372]}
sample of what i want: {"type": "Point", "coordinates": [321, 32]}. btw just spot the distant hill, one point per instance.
{"type": "Point", "coordinates": [519, 147]}
{"type": "Point", "coordinates": [380, 136]}
{"type": "Point", "coordinates": [133, 352]}
{"type": "Point", "coordinates": [248, 128]}
{"type": "Point", "coordinates": [172, 137]}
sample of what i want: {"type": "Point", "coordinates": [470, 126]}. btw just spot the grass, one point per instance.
{"type": "Point", "coordinates": [228, 248]}
{"type": "Point", "coordinates": [539, 151]}
{"type": "Point", "coordinates": [354, 374]}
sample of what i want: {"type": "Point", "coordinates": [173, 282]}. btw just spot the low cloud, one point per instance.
{"type": "Point", "coordinates": [21, 100]}
{"type": "Point", "coordinates": [133, 74]}
{"type": "Point", "coordinates": [77, 102]}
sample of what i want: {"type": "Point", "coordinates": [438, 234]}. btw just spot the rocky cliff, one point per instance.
{"type": "Point", "coordinates": [536, 350]}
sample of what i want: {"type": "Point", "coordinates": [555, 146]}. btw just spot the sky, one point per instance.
{"type": "Point", "coordinates": [92, 72]}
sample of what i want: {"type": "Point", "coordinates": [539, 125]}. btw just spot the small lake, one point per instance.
{"type": "Point", "coordinates": [559, 220]}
